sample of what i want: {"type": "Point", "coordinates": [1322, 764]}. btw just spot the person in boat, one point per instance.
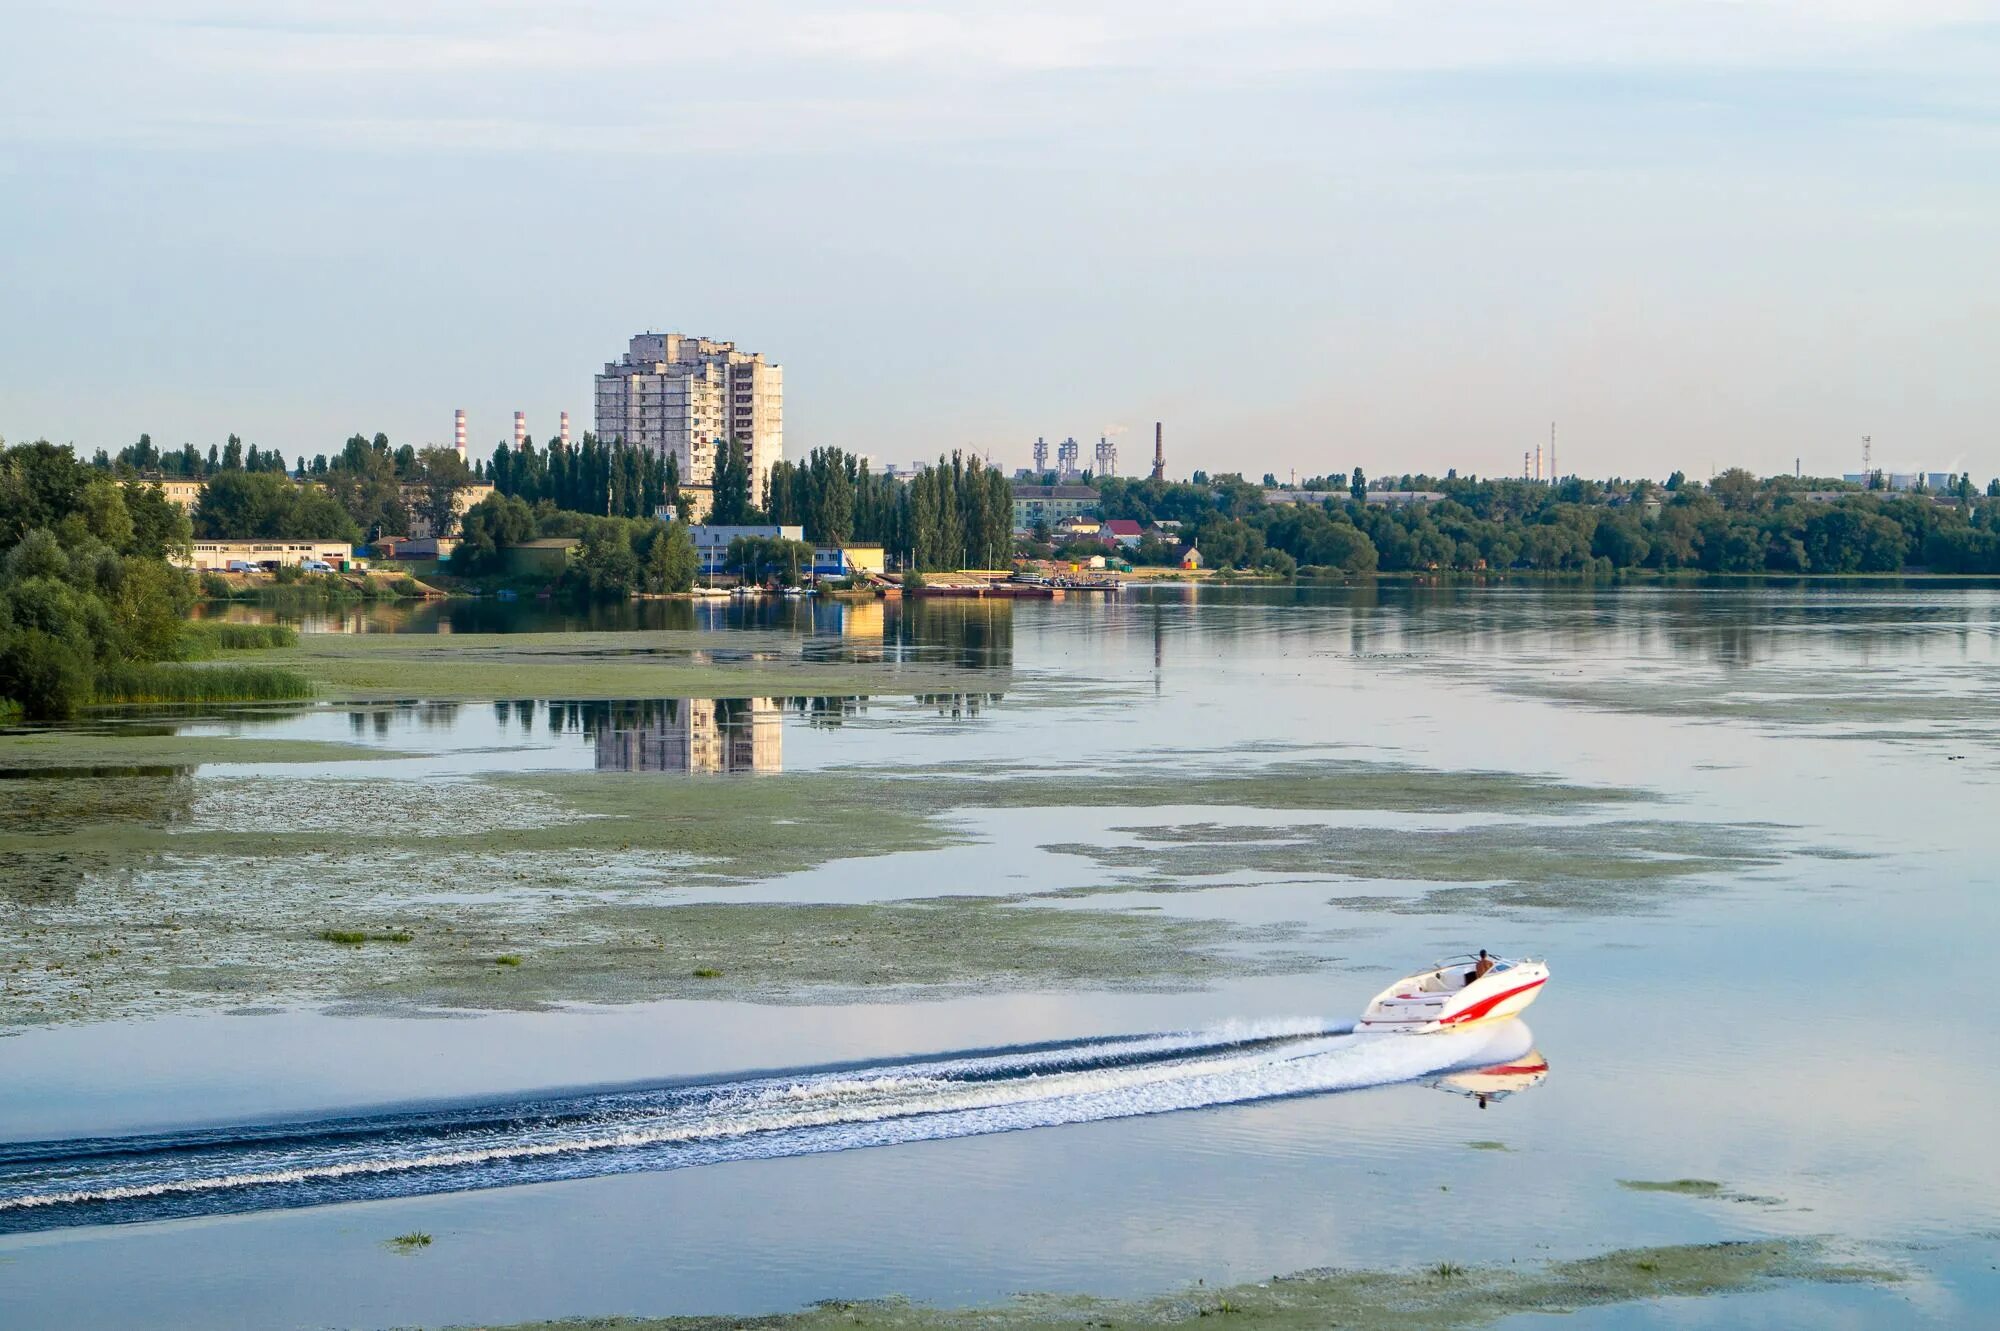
{"type": "Point", "coordinates": [1479, 967]}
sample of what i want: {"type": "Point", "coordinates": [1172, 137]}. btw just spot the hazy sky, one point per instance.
{"type": "Point", "coordinates": [1395, 233]}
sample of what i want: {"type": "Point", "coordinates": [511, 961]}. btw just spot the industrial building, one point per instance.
{"type": "Point", "coordinates": [206, 556]}
{"type": "Point", "coordinates": [681, 396]}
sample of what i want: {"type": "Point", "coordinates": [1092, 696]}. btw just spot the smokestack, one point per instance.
{"type": "Point", "coordinates": [520, 430]}
{"type": "Point", "coordinates": [565, 429]}
{"type": "Point", "coordinates": [458, 432]}
{"type": "Point", "coordinates": [1159, 454]}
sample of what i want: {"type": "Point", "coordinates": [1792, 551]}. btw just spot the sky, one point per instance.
{"type": "Point", "coordinates": [1400, 234]}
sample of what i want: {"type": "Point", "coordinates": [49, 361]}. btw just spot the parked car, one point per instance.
{"type": "Point", "coordinates": [315, 566]}
{"type": "Point", "coordinates": [241, 566]}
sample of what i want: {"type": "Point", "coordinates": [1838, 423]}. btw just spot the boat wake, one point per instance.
{"type": "Point", "coordinates": [576, 1134]}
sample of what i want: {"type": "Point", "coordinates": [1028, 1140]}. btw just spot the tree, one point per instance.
{"type": "Point", "coordinates": [241, 505]}
{"type": "Point", "coordinates": [441, 476]}
{"type": "Point", "coordinates": [1358, 487]}
{"type": "Point", "coordinates": [671, 564]}
{"type": "Point", "coordinates": [731, 487]}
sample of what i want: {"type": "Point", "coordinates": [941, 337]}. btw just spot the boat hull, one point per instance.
{"type": "Point", "coordinates": [1408, 1008]}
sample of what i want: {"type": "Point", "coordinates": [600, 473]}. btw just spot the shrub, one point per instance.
{"type": "Point", "coordinates": [47, 677]}
{"type": "Point", "coordinates": [215, 587]}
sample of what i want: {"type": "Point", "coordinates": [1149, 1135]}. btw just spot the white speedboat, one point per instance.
{"type": "Point", "coordinates": [1451, 995]}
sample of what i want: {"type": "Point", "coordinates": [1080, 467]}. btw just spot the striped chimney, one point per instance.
{"type": "Point", "coordinates": [565, 429]}
{"type": "Point", "coordinates": [520, 430]}
{"type": "Point", "coordinates": [458, 431]}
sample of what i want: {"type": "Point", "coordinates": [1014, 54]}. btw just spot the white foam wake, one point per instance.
{"type": "Point", "coordinates": [846, 1109]}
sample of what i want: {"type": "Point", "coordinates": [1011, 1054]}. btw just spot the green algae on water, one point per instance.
{"type": "Point", "coordinates": [1681, 1187]}
{"type": "Point", "coordinates": [1466, 1297]}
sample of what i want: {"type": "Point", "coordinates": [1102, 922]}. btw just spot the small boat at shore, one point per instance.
{"type": "Point", "coordinates": [1453, 994]}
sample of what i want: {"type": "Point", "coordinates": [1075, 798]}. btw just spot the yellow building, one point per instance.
{"type": "Point", "coordinates": [462, 503]}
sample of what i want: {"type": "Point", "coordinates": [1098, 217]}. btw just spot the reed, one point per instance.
{"type": "Point", "coordinates": [204, 638]}
{"type": "Point", "coordinates": [162, 681]}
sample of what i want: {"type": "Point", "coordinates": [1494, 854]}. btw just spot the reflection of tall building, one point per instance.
{"type": "Point", "coordinates": [698, 735]}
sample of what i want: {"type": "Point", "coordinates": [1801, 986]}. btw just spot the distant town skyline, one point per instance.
{"type": "Point", "coordinates": [1305, 237]}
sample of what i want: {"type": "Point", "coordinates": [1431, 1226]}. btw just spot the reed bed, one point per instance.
{"type": "Point", "coordinates": [163, 681]}
{"type": "Point", "coordinates": [204, 638]}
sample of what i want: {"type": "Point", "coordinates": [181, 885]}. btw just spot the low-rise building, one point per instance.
{"type": "Point", "coordinates": [1077, 529]}
{"type": "Point", "coordinates": [215, 556]}
{"type": "Point", "coordinates": [1050, 504]}
{"type": "Point", "coordinates": [711, 543]}
{"type": "Point", "coordinates": [184, 494]}
{"type": "Point", "coordinates": [844, 561]}
{"type": "Point", "coordinates": [1124, 531]}
{"type": "Point", "coordinates": [547, 557]}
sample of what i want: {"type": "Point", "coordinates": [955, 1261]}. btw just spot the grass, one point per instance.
{"type": "Point", "coordinates": [167, 682]}
{"type": "Point", "coordinates": [707, 973]}
{"type": "Point", "coordinates": [411, 1241]}
{"type": "Point", "coordinates": [356, 937]}
{"type": "Point", "coordinates": [507, 959]}
{"type": "Point", "coordinates": [1489, 1146]}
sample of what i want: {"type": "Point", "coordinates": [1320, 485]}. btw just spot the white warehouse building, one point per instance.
{"type": "Point", "coordinates": [682, 395]}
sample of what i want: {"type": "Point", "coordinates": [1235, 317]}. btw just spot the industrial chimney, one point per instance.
{"type": "Point", "coordinates": [520, 430]}
{"type": "Point", "coordinates": [565, 429]}
{"type": "Point", "coordinates": [458, 432]}
{"type": "Point", "coordinates": [1159, 454]}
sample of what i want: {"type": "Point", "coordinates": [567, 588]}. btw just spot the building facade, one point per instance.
{"type": "Point", "coordinates": [216, 556]}
{"type": "Point", "coordinates": [1051, 504]}
{"type": "Point", "coordinates": [682, 396]}
{"type": "Point", "coordinates": [711, 543]}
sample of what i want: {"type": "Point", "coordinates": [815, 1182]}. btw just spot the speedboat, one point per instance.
{"type": "Point", "coordinates": [1447, 997]}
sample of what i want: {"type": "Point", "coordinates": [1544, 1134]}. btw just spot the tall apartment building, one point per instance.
{"type": "Point", "coordinates": [684, 395]}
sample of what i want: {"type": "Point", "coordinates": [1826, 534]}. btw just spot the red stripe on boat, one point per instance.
{"type": "Point", "coordinates": [1486, 1005]}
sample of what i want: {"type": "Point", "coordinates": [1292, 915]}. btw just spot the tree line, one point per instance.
{"type": "Point", "coordinates": [1735, 523]}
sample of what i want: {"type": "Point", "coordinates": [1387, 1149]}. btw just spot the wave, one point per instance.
{"type": "Point", "coordinates": [576, 1134]}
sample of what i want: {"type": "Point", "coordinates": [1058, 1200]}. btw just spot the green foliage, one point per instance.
{"type": "Point", "coordinates": [84, 586]}
{"type": "Point", "coordinates": [240, 505]}
{"type": "Point", "coordinates": [1736, 524]}
{"type": "Point", "coordinates": [671, 562]}
{"type": "Point", "coordinates": [416, 1238]}
{"type": "Point", "coordinates": [507, 959]}
{"type": "Point", "coordinates": [45, 677]}
{"type": "Point", "coordinates": [731, 487]}
{"type": "Point", "coordinates": [215, 587]}
{"type": "Point", "coordinates": [605, 479]}
{"type": "Point", "coordinates": [489, 527]}
{"type": "Point", "coordinates": [758, 558]}
{"type": "Point", "coordinates": [441, 475]}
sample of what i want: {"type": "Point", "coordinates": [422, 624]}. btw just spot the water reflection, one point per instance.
{"type": "Point", "coordinates": [969, 633]}
{"type": "Point", "coordinates": [702, 735]}
{"type": "Point", "coordinates": [1488, 1086]}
